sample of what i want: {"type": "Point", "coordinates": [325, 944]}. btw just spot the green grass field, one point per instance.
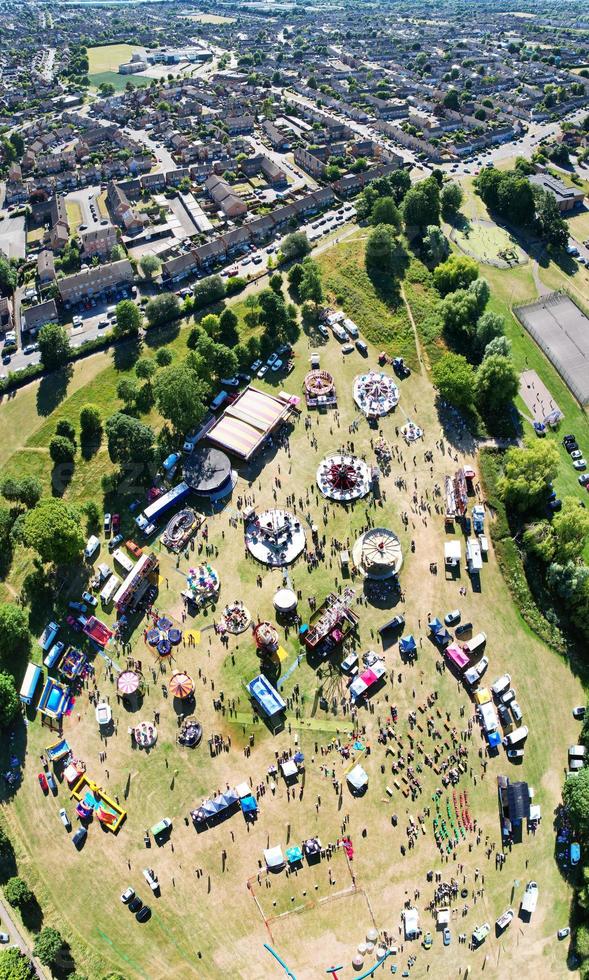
{"type": "Point", "coordinates": [206, 923]}
{"type": "Point", "coordinates": [108, 57]}
{"type": "Point", "coordinates": [119, 81]}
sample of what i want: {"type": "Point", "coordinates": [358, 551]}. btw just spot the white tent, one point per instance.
{"type": "Point", "coordinates": [452, 552]}
{"type": "Point", "coordinates": [289, 769]}
{"type": "Point", "coordinates": [274, 858]}
{"type": "Point", "coordinates": [357, 778]}
{"type": "Point", "coordinates": [443, 917]}
{"type": "Point", "coordinates": [411, 923]}
{"type": "Point", "coordinates": [243, 790]}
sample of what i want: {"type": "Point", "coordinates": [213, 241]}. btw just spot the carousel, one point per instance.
{"type": "Point", "coordinates": [145, 734]}
{"type": "Point", "coordinates": [375, 393]}
{"type": "Point", "coordinates": [203, 584]}
{"type": "Point", "coordinates": [319, 388]}
{"type": "Point", "coordinates": [377, 553]}
{"type": "Point", "coordinates": [235, 618]}
{"type": "Point", "coordinates": [266, 639]}
{"type": "Point", "coordinates": [130, 683]}
{"type": "Point", "coordinates": [274, 537]}
{"type": "Point", "coordinates": [190, 733]}
{"type": "Point", "coordinates": [163, 636]}
{"type": "Point", "coordinates": [285, 601]}
{"type": "Point", "coordinates": [181, 685]}
{"type": "Point", "coordinates": [411, 432]}
{"type": "Point", "coordinates": [343, 477]}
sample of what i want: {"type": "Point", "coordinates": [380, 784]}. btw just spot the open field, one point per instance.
{"type": "Point", "coordinates": [119, 81]}
{"type": "Point", "coordinates": [74, 215]}
{"type": "Point", "coordinates": [579, 225]}
{"type": "Point", "coordinates": [191, 932]}
{"type": "Point", "coordinates": [109, 57]}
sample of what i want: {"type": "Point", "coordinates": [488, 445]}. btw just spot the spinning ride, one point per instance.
{"type": "Point", "coordinates": [377, 553]}
{"type": "Point", "coordinates": [266, 639]}
{"type": "Point", "coordinates": [274, 537]}
{"type": "Point", "coordinates": [375, 393]}
{"type": "Point", "coordinates": [235, 618]}
{"type": "Point", "coordinates": [319, 388]}
{"type": "Point", "coordinates": [203, 582]}
{"type": "Point", "coordinates": [343, 477]}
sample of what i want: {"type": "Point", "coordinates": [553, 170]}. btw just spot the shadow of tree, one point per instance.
{"type": "Point", "coordinates": [52, 390]}
{"type": "Point", "coordinates": [126, 355]}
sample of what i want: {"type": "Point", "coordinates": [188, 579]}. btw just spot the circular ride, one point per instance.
{"type": "Point", "coordinates": [181, 685]}
{"type": "Point", "coordinates": [411, 432]}
{"type": "Point", "coordinates": [203, 582]}
{"type": "Point", "coordinates": [129, 682]}
{"type": "Point", "coordinates": [190, 733]}
{"type": "Point", "coordinates": [378, 554]}
{"type": "Point", "coordinates": [285, 601]}
{"type": "Point", "coordinates": [343, 477]}
{"type": "Point", "coordinates": [375, 393]}
{"type": "Point", "coordinates": [145, 734]}
{"type": "Point", "coordinates": [180, 529]}
{"type": "Point", "coordinates": [235, 618]}
{"type": "Point", "coordinates": [266, 639]}
{"type": "Point", "coordinates": [207, 472]}
{"type": "Point", "coordinates": [274, 537]}
{"type": "Point", "coordinates": [319, 384]}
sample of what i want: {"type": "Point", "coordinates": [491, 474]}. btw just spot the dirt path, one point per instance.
{"type": "Point", "coordinates": [422, 366]}
{"type": "Point", "coordinates": [18, 939]}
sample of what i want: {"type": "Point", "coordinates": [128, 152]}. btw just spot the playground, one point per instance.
{"type": "Point", "coordinates": [486, 242]}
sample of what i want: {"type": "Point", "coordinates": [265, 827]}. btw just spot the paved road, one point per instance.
{"type": "Point", "coordinates": [17, 938]}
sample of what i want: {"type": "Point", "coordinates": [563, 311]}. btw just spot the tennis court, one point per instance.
{"type": "Point", "coordinates": [562, 331]}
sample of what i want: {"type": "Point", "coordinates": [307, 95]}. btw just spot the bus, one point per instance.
{"type": "Point", "coordinates": [29, 684]}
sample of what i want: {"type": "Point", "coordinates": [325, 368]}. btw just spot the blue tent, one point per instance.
{"type": "Point", "coordinates": [435, 625]}
{"type": "Point", "coordinates": [249, 805]}
{"type": "Point", "coordinates": [407, 644]}
{"type": "Point", "coordinates": [493, 739]}
{"type": "Point", "coordinates": [294, 854]}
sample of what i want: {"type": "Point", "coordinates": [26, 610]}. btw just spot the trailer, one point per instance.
{"type": "Point", "coordinates": [474, 559]}
{"type": "Point", "coordinates": [152, 514]}
{"type": "Point", "coordinates": [530, 898]}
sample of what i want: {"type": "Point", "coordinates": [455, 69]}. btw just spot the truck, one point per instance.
{"type": "Point", "coordinates": [530, 898]}
{"type": "Point", "coordinates": [478, 518]}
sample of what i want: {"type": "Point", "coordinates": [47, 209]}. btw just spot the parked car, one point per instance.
{"type": "Point", "coordinates": [4, 937]}
{"type": "Point", "coordinates": [143, 914]}
{"type": "Point", "coordinates": [452, 618]}
{"type": "Point", "coordinates": [107, 523]}
{"type": "Point", "coordinates": [135, 904]}
{"type": "Point", "coordinates": [127, 895]}
{"type": "Point", "coordinates": [473, 675]}
{"type": "Point", "coordinates": [508, 696]}
{"type": "Point", "coordinates": [516, 712]}
{"type": "Point", "coordinates": [323, 330]}
{"type": "Point", "coordinates": [51, 783]}
{"type": "Point", "coordinates": [151, 879]}
{"type": "Point", "coordinates": [504, 715]}
{"type": "Point", "coordinates": [463, 629]}
{"type": "Point", "coordinates": [514, 754]}
{"type": "Point", "coordinates": [65, 819]}
{"type": "Point", "coordinates": [89, 598]}
{"type": "Point", "coordinates": [584, 479]}
{"type": "Point", "coordinates": [43, 782]}
{"type": "Point", "coordinates": [263, 371]}
{"type": "Point", "coordinates": [580, 464]}
{"type": "Point", "coordinates": [575, 853]}
{"type": "Point", "coordinates": [114, 543]}
{"type": "Point", "coordinates": [571, 447]}
{"type": "Point", "coordinates": [579, 712]}
{"type": "Point", "coordinates": [427, 941]}
{"type": "Point", "coordinates": [277, 365]}
{"type": "Point", "coordinates": [563, 933]}
{"type": "Point", "coordinates": [79, 837]}
{"type": "Point", "coordinates": [446, 936]}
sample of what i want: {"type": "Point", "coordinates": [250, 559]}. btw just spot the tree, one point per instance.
{"type": "Point", "coordinates": [450, 200]}
{"type": "Point", "coordinates": [53, 530]}
{"type": "Point", "coordinates": [575, 796]}
{"type": "Point", "coordinates": [14, 965]}
{"type": "Point", "coordinates": [295, 246]}
{"type": "Point", "coordinates": [61, 450]}
{"type": "Point", "coordinates": [129, 318]}
{"type": "Point", "coordinates": [65, 428]}
{"type": "Point", "coordinates": [550, 224]}
{"type": "Point", "coordinates": [421, 206]}
{"type": "Point", "coordinates": [386, 212]}
{"type": "Point", "coordinates": [481, 292]}
{"type": "Point", "coordinates": [8, 277]}
{"type": "Point", "coordinates": [54, 346]}
{"type": "Point", "coordinates": [456, 273]}
{"type": "Point", "coordinates": [295, 275]}
{"type": "Point", "coordinates": [145, 368]}
{"type": "Point", "coordinates": [162, 309]}
{"type": "Point", "coordinates": [210, 324]}
{"type": "Point", "coordinates": [497, 384]}
{"type": "Point", "coordinates": [571, 528]}
{"type": "Point", "coordinates": [208, 291]}
{"type": "Point", "coordinates": [435, 247]}
{"type": "Point", "coordinates": [223, 363]}
{"type": "Point", "coordinates": [459, 312]}
{"type": "Point", "coordinates": [527, 473]}
{"type": "Point", "coordinates": [228, 323]}
{"type": "Point", "coordinates": [488, 327]}
{"type": "Point", "coordinates": [17, 893]}
{"type": "Point", "coordinates": [9, 701]}
{"type": "Point", "coordinates": [15, 639]}
{"type": "Point", "coordinates": [500, 345]}
{"type": "Point", "coordinates": [451, 100]}
{"type": "Point", "coordinates": [150, 265]}
{"type": "Point", "coordinates": [539, 539]}
{"type": "Point", "coordinates": [90, 424]}
{"type": "Point", "coordinates": [128, 392]}
{"type": "Point", "coordinates": [383, 252]}
{"type": "Point", "coordinates": [310, 288]}
{"type": "Point", "coordinates": [454, 378]}
{"type": "Point", "coordinates": [48, 946]}
{"type": "Point", "coordinates": [129, 440]}
{"type": "Point", "coordinates": [180, 397]}
{"type": "Point", "coordinates": [164, 356]}
{"type": "Point", "coordinates": [26, 491]}
{"type": "Point", "coordinates": [275, 283]}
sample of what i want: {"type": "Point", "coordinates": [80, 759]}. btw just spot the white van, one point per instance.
{"type": "Point", "coordinates": [517, 735]}
{"type": "Point", "coordinates": [474, 646]}
{"type": "Point", "coordinates": [122, 559]}
{"type": "Point", "coordinates": [530, 898]}
{"type": "Point", "coordinates": [107, 594]}
{"type": "Point", "coordinates": [92, 546]}
{"type": "Point", "coordinates": [29, 685]}
{"type": "Point", "coordinates": [339, 333]}
{"type": "Point", "coordinates": [351, 329]}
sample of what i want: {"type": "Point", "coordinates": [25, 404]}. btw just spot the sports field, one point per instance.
{"type": "Point", "coordinates": [109, 57]}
